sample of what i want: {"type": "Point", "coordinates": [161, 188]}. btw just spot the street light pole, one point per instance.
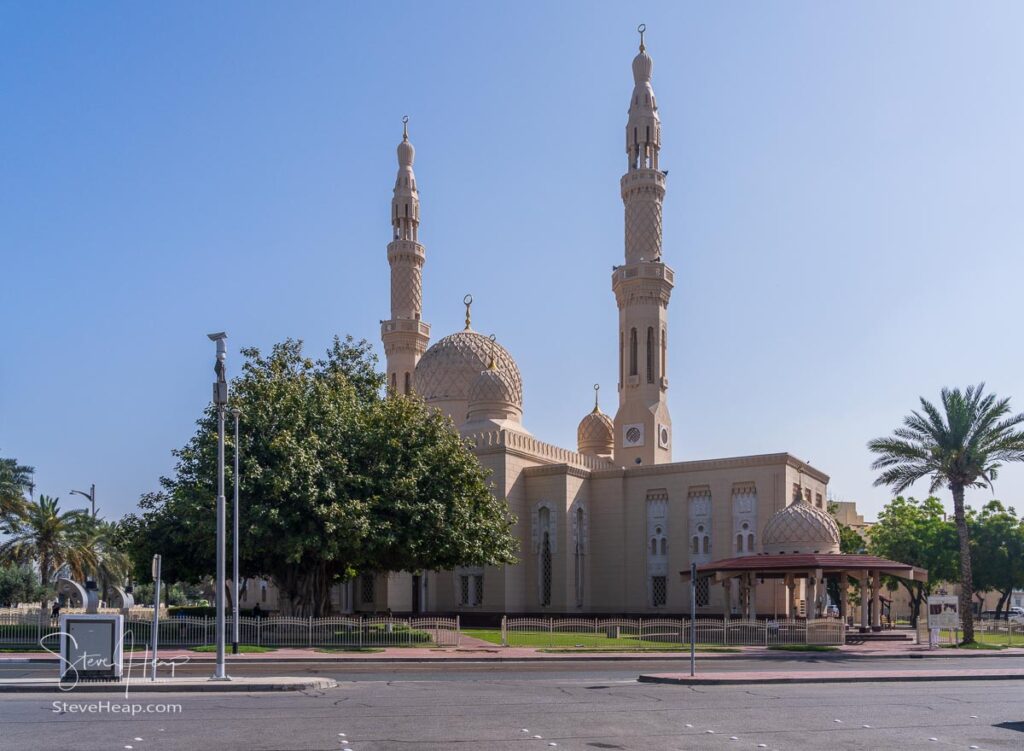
{"type": "Point", "coordinates": [91, 495]}
{"type": "Point", "coordinates": [220, 400]}
{"type": "Point", "coordinates": [235, 583]}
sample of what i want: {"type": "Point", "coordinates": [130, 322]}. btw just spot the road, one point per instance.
{"type": "Point", "coordinates": [568, 669]}
{"type": "Point", "coordinates": [578, 706]}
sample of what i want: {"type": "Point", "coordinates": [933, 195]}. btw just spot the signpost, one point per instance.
{"type": "Point", "coordinates": [156, 613]}
{"type": "Point", "coordinates": [693, 619]}
{"type": "Point", "coordinates": [943, 613]}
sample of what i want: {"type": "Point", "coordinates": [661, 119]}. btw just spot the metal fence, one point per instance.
{"type": "Point", "coordinates": [997, 633]}
{"type": "Point", "coordinates": [19, 629]}
{"type": "Point", "coordinates": [628, 634]}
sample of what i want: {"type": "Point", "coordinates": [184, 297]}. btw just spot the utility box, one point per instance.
{"type": "Point", "coordinates": [91, 647]}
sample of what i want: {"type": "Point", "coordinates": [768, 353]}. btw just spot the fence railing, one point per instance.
{"type": "Point", "coordinates": [628, 634]}
{"type": "Point", "coordinates": [30, 629]}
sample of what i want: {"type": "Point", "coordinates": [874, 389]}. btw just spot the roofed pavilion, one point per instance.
{"type": "Point", "coordinates": [800, 545]}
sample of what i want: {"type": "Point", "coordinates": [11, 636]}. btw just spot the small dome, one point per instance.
{"type": "Point", "coordinates": [449, 368]}
{"type": "Point", "coordinates": [596, 434]}
{"type": "Point", "coordinates": [406, 153]}
{"type": "Point", "coordinates": [800, 528]}
{"type": "Point", "coordinates": [492, 396]}
{"type": "Point", "coordinates": [643, 65]}
{"type": "Point", "coordinates": [492, 385]}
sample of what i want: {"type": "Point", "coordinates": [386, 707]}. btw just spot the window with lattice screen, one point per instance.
{"type": "Point", "coordinates": [703, 592]}
{"type": "Point", "coordinates": [367, 589]}
{"type": "Point", "coordinates": [659, 591]}
{"type": "Point", "coordinates": [464, 589]}
{"type": "Point", "coordinates": [478, 589]}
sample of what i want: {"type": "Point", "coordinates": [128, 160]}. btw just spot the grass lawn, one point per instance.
{"type": "Point", "coordinates": [803, 648]}
{"type": "Point", "coordinates": [601, 642]}
{"type": "Point", "coordinates": [989, 640]}
{"type": "Point", "coordinates": [975, 645]}
{"type": "Point", "coordinates": [598, 650]}
{"type": "Point", "coordinates": [242, 648]}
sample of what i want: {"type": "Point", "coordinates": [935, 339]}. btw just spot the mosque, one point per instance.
{"type": "Point", "coordinates": [612, 526]}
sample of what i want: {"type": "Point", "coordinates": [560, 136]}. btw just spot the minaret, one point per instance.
{"type": "Point", "coordinates": [642, 286]}
{"type": "Point", "coordinates": [405, 336]}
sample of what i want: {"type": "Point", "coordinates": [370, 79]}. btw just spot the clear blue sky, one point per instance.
{"type": "Point", "coordinates": [844, 210]}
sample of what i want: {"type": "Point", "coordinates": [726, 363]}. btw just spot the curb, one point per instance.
{"type": "Point", "coordinates": [910, 678]}
{"type": "Point", "coordinates": [169, 687]}
{"type": "Point", "coordinates": [201, 658]}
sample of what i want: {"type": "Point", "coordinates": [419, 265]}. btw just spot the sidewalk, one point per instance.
{"type": "Point", "coordinates": [831, 676]}
{"type": "Point", "coordinates": [138, 684]}
{"type": "Point", "coordinates": [523, 654]}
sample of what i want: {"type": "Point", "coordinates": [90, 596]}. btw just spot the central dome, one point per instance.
{"type": "Point", "coordinates": [800, 528]}
{"type": "Point", "coordinates": [448, 369]}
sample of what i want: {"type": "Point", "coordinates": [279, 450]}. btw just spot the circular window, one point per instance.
{"type": "Point", "coordinates": [633, 435]}
{"type": "Point", "coordinates": [700, 528]}
{"type": "Point", "coordinates": [664, 436]}
{"type": "Point", "coordinates": [657, 530]}
{"type": "Point", "coordinates": [745, 525]}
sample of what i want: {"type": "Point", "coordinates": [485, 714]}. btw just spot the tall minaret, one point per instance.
{"type": "Point", "coordinates": [643, 428]}
{"type": "Point", "coordinates": [405, 336]}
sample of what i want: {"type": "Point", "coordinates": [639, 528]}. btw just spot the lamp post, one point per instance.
{"type": "Point", "coordinates": [235, 583]}
{"type": "Point", "coordinates": [220, 400]}
{"type": "Point", "coordinates": [91, 495]}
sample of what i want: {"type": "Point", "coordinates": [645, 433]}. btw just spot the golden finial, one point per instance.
{"type": "Point", "coordinates": [405, 127]}
{"type": "Point", "coordinates": [467, 301]}
{"type": "Point", "coordinates": [597, 388]}
{"type": "Point", "coordinates": [642, 28]}
{"type": "Point", "coordinates": [493, 365]}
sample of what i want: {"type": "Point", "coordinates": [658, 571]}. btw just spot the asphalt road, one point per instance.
{"type": "Point", "coordinates": [524, 671]}
{"type": "Point", "coordinates": [578, 707]}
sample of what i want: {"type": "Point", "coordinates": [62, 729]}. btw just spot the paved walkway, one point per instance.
{"type": "Point", "coordinates": [487, 651]}
{"type": "Point", "coordinates": [831, 676]}
{"type": "Point", "coordinates": [138, 684]}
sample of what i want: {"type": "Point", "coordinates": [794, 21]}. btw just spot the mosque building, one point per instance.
{"type": "Point", "coordinates": [609, 526]}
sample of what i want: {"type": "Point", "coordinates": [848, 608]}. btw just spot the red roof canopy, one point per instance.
{"type": "Point", "coordinates": [767, 565]}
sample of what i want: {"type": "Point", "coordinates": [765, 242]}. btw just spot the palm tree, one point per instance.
{"type": "Point", "coordinates": [97, 554]}
{"type": "Point", "coordinates": [48, 537]}
{"type": "Point", "coordinates": [15, 479]}
{"type": "Point", "coordinates": [963, 446]}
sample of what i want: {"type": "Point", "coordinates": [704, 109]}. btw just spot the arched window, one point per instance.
{"type": "Point", "coordinates": [695, 545]}
{"type": "Point", "coordinates": [664, 353]}
{"type": "Point", "coordinates": [664, 546]}
{"type": "Point", "coordinates": [707, 544]}
{"type": "Point", "coordinates": [739, 543]}
{"type": "Point", "coordinates": [654, 546]}
{"type": "Point", "coordinates": [632, 352]}
{"type": "Point", "coordinates": [622, 359]}
{"type": "Point", "coordinates": [650, 354]}
{"type": "Point", "coordinates": [580, 527]}
{"type": "Point", "coordinates": [750, 543]}
{"type": "Point", "coordinates": [545, 596]}
{"type": "Point", "coordinates": [394, 382]}
{"type": "Point", "coordinates": [408, 384]}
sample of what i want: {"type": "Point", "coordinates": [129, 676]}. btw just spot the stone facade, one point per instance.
{"type": "Point", "coordinates": [610, 527]}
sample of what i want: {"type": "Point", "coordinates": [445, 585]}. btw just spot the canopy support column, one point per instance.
{"type": "Point", "coordinates": [844, 586]}
{"type": "Point", "coordinates": [864, 626]}
{"type": "Point", "coordinates": [876, 603]}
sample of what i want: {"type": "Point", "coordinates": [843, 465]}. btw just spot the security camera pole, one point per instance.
{"type": "Point", "coordinates": [235, 581]}
{"type": "Point", "coordinates": [220, 400]}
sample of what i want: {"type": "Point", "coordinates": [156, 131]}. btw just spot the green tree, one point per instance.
{"type": "Point", "coordinates": [997, 550]}
{"type": "Point", "coordinates": [49, 538]}
{"type": "Point", "coordinates": [917, 532]}
{"type": "Point", "coordinates": [15, 481]}
{"type": "Point", "coordinates": [19, 583]}
{"type": "Point", "coordinates": [335, 480]}
{"type": "Point", "coordinates": [962, 446]}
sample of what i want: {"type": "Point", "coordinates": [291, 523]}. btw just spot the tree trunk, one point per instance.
{"type": "Point", "coordinates": [966, 580]}
{"type": "Point", "coordinates": [1004, 600]}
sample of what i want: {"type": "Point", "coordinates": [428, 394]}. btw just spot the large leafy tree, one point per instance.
{"type": "Point", "coordinates": [15, 481]}
{"type": "Point", "coordinates": [335, 480]}
{"type": "Point", "coordinates": [917, 532]}
{"type": "Point", "coordinates": [49, 538]}
{"type": "Point", "coordinates": [997, 550]}
{"type": "Point", "coordinates": [960, 446]}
